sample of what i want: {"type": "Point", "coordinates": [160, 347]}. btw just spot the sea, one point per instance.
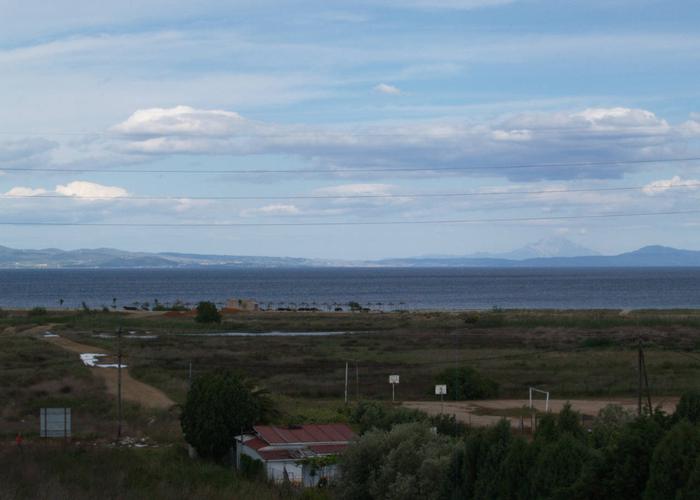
{"type": "Point", "coordinates": [384, 289]}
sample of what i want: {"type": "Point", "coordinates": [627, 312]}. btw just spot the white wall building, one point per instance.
{"type": "Point", "coordinates": [301, 452]}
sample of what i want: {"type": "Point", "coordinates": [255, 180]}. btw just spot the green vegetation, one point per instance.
{"type": "Point", "coordinates": [219, 406]}
{"type": "Point", "coordinates": [207, 313]}
{"type": "Point", "coordinates": [466, 383]}
{"type": "Point", "coordinates": [405, 462]}
{"type": "Point", "coordinates": [573, 354]}
{"type": "Point", "coordinates": [88, 472]}
{"type": "Point", "coordinates": [647, 457]}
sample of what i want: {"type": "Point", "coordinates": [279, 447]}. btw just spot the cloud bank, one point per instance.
{"type": "Point", "coordinates": [499, 147]}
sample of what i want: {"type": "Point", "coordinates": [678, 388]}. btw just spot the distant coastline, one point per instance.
{"type": "Point", "coordinates": [107, 258]}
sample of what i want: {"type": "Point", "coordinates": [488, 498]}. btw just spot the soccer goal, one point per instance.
{"type": "Point", "coordinates": [540, 391]}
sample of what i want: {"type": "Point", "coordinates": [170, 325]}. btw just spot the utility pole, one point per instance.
{"type": "Point", "coordinates": [646, 381]}
{"type": "Point", "coordinates": [357, 382]}
{"type": "Point", "coordinates": [190, 375]}
{"type": "Point", "coordinates": [119, 384]}
{"type": "Point", "coordinates": [346, 382]}
{"type": "Point", "coordinates": [639, 381]}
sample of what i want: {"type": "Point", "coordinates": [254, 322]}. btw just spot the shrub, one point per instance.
{"type": "Point", "coordinates": [251, 468]}
{"type": "Point", "coordinates": [36, 311]}
{"type": "Point", "coordinates": [207, 313]}
{"type": "Point", "coordinates": [373, 415]}
{"type": "Point", "coordinates": [466, 383]}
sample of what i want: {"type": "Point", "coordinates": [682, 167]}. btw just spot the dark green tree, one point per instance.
{"type": "Point", "coordinates": [673, 462]}
{"type": "Point", "coordinates": [688, 407]}
{"type": "Point", "coordinates": [514, 482]}
{"type": "Point", "coordinates": [569, 421]}
{"type": "Point", "coordinates": [692, 488]}
{"type": "Point", "coordinates": [219, 406]}
{"type": "Point", "coordinates": [559, 466]}
{"type": "Point", "coordinates": [207, 313]}
{"type": "Point", "coordinates": [547, 428]}
{"type": "Point", "coordinates": [624, 470]}
{"type": "Point", "coordinates": [498, 441]}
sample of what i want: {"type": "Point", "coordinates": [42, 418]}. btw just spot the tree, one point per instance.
{"type": "Point", "coordinates": [610, 422]}
{"type": "Point", "coordinates": [354, 306]}
{"type": "Point", "coordinates": [219, 406]}
{"type": "Point", "coordinates": [409, 462]}
{"type": "Point", "coordinates": [688, 407]}
{"type": "Point", "coordinates": [558, 467]}
{"type": "Point", "coordinates": [569, 421]}
{"type": "Point", "coordinates": [498, 442]}
{"type": "Point", "coordinates": [207, 313]}
{"type": "Point", "coordinates": [625, 468]}
{"type": "Point", "coordinates": [673, 462]}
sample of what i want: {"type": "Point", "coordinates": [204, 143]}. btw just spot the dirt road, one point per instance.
{"type": "Point", "coordinates": [483, 413]}
{"type": "Point", "coordinates": [132, 389]}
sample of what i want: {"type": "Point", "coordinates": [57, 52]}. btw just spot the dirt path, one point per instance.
{"type": "Point", "coordinates": [483, 413]}
{"type": "Point", "coordinates": [132, 389]}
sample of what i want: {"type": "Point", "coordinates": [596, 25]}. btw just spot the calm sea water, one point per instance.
{"type": "Point", "coordinates": [393, 288]}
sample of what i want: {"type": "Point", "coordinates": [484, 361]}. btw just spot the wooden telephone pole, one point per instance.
{"type": "Point", "coordinates": [643, 379]}
{"type": "Point", "coordinates": [119, 384]}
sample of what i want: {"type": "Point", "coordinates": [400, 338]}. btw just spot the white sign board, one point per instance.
{"type": "Point", "coordinates": [393, 379]}
{"type": "Point", "coordinates": [440, 390]}
{"type": "Point", "coordinates": [55, 422]}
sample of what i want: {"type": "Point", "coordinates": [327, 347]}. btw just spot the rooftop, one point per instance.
{"type": "Point", "coordinates": [305, 434]}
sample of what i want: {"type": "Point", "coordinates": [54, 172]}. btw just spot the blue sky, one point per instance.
{"type": "Point", "coordinates": [345, 88]}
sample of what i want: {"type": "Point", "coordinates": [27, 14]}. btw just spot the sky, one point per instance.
{"type": "Point", "coordinates": [349, 130]}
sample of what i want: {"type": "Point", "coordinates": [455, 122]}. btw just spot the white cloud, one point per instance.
{"type": "Point", "coordinates": [83, 189]}
{"type": "Point", "coordinates": [385, 88]}
{"type": "Point", "coordinates": [664, 185]}
{"type": "Point", "coordinates": [590, 135]}
{"type": "Point", "coordinates": [356, 190]}
{"type": "Point", "coordinates": [25, 191]}
{"type": "Point", "coordinates": [273, 209]}
{"type": "Point", "coordinates": [180, 120]}
{"type": "Point", "coordinates": [691, 128]}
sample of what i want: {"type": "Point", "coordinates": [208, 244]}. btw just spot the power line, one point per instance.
{"type": "Point", "coordinates": [342, 197]}
{"type": "Point", "coordinates": [346, 223]}
{"type": "Point", "coordinates": [355, 170]}
{"type": "Point", "coordinates": [265, 131]}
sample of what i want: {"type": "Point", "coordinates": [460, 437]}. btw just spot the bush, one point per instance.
{"type": "Point", "coordinates": [36, 311]}
{"type": "Point", "coordinates": [373, 415]}
{"type": "Point", "coordinates": [466, 383]}
{"type": "Point", "coordinates": [207, 313]}
{"type": "Point", "coordinates": [251, 468]}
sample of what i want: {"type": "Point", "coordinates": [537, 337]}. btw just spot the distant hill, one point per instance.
{"type": "Point", "coordinates": [650, 256]}
{"type": "Point", "coordinates": [108, 258]}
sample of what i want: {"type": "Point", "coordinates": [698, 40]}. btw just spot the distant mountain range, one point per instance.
{"type": "Point", "coordinates": [547, 247]}
{"type": "Point", "coordinates": [557, 252]}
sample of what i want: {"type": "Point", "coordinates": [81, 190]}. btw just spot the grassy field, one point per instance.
{"type": "Point", "coordinates": [75, 472]}
{"type": "Point", "coordinates": [573, 354]}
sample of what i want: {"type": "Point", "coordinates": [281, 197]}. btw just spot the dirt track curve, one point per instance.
{"type": "Point", "coordinates": [132, 389]}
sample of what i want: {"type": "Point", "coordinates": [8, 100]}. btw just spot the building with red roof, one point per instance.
{"type": "Point", "coordinates": [305, 454]}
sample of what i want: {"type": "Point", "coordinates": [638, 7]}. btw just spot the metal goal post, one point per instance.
{"type": "Point", "coordinates": [546, 396]}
